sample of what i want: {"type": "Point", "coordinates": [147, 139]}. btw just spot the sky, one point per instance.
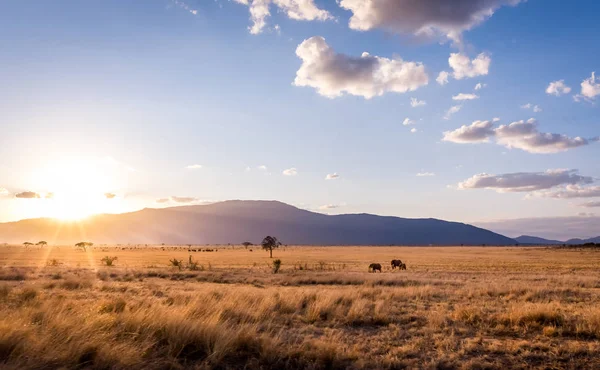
{"type": "Point", "coordinates": [479, 111]}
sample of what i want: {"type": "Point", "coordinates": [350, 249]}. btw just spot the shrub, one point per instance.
{"type": "Point", "coordinates": [108, 261]}
{"type": "Point", "coordinates": [276, 266]}
{"type": "Point", "coordinates": [53, 262]}
{"type": "Point", "coordinates": [176, 263]}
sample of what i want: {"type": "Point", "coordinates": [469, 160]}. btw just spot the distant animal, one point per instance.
{"type": "Point", "coordinates": [374, 267]}
{"type": "Point", "coordinates": [396, 263]}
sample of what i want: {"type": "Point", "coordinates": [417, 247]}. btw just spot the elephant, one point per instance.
{"type": "Point", "coordinates": [374, 267]}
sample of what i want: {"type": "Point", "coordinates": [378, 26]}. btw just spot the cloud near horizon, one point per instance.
{"type": "Point", "coordinates": [522, 135]}
{"type": "Point", "coordinates": [429, 19]}
{"type": "Point", "coordinates": [27, 195]}
{"type": "Point", "coordinates": [299, 10]}
{"type": "Point", "coordinates": [184, 199]}
{"type": "Point", "coordinates": [525, 181]}
{"type": "Point", "coordinates": [334, 75]}
{"type": "Point", "coordinates": [570, 192]}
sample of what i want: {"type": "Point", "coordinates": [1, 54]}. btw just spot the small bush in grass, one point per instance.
{"type": "Point", "coordinates": [108, 261]}
{"type": "Point", "coordinates": [53, 262]}
{"type": "Point", "coordinates": [176, 263]}
{"type": "Point", "coordinates": [276, 266]}
{"type": "Point", "coordinates": [27, 294]}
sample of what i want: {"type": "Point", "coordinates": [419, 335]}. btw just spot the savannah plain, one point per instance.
{"type": "Point", "coordinates": [453, 308]}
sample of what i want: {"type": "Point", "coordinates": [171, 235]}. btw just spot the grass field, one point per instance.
{"type": "Point", "coordinates": [454, 307]}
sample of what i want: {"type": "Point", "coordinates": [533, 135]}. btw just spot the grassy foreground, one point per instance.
{"type": "Point", "coordinates": [454, 308]}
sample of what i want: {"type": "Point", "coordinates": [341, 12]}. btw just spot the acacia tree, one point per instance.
{"type": "Point", "coordinates": [27, 244]}
{"type": "Point", "coordinates": [83, 245]}
{"type": "Point", "coordinates": [269, 243]}
{"type": "Point", "coordinates": [246, 244]}
{"type": "Point", "coordinates": [42, 243]}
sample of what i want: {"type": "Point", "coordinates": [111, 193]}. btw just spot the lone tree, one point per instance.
{"type": "Point", "coordinates": [27, 244]}
{"type": "Point", "coordinates": [42, 243]}
{"type": "Point", "coordinates": [83, 245]}
{"type": "Point", "coordinates": [247, 244]}
{"type": "Point", "coordinates": [269, 243]}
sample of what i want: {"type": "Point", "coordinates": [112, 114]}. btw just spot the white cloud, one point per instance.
{"type": "Point", "coordinates": [535, 108]}
{"type": "Point", "coordinates": [570, 192]}
{"type": "Point", "coordinates": [590, 88]}
{"type": "Point", "coordinates": [333, 74]}
{"type": "Point", "coordinates": [524, 181]}
{"type": "Point", "coordinates": [496, 119]}
{"type": "Point", "coordinates": [429, 19]}
{"type": "Point", "coordinates": [452, 110]}
{"type": "Point", "coordinates": [425, 174]}
{"type": "Point", "coordinates": [414, 102]}
{"type": "Point", "coordinates": [407, 121]}
{"type": "Point", "coordinates": [329, 206]}
{"type": "Point", "coordinates": [290, 172]}
{"type": "Point", "coordinates": [522, 135]}
{"type": "Point", "coordinates": [477, 132]}
{"type": "Point", "coordinates": [480, 86]}
{"type": "Point", "coordinates": [262, 167]}
{"type": "Point", "coordinates": [442, 78]}
{"type": "Point", "coordinates": [558, 88]}
{"type": "Point", "coordinates": [413, 130]}
{"type": "Point", "coordinates": [462, 96]}
{"type": "Point", "coordinates": [185, 6]}
{"type": "Point", "coordinates": [463, 67]}
{"type": "Point", "coordinates": [194, 167]}
{"type": "Point", "coordinates": [332, 176]}
{"type": "Point", "coordinates": [183, 199]}
{"type": "Point", "coordinates": [300, 10]}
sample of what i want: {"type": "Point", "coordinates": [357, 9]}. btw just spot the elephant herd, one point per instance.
{"type": "Point", "coordinates": [374, 267]}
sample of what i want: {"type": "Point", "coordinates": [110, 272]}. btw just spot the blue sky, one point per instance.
{"type": "Point", "coordinates": [120, 97]}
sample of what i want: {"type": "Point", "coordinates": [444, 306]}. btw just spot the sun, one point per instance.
{"type": "Point", "coordinates": [77, 188]}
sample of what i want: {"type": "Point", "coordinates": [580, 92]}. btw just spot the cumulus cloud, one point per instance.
{"type": "Point", "coordinates": [183, 199]}
{"type": "Point", "coordinates": [477, 132]}
{"type": "Point", "coordinates": [590, 88]}
{"type": "Point", "coordinates": [290, 172]}
{"type": "Point", "coordinates": [413, 130]}
{"type": "Point", "coordinates": [442, 78]}
{"type": "Point", "coordinates": [463, 67]}
{"type": "Point", "coordinates": [163, 200]}
{"type": "Point", "coordinates": [480, 86]}
{"type": "Point", "coordinates": [110, 195]}
{"type": "Point", "coordinates": [407, 121]}
{"type": "Point", "coordinates": [332, 176]}
{"type": "Point", "coordinates": [414, 102]}
{"type": "Point", "coordinates": [590, 204]}
{"type": "Point", "coordinates": [194, 167]}
{"type": "Point", "coordinates": [300, 10]}
{"type": "Point", "coordinates": [452, 110]}
{"type": "Point", "coordinates": [425, 174]}
{"type": "Point", "coordinates": [522, 135]}
{"type": "Point", "coordinates": [558, 88]}
{"type": "Point", "coordinates": [525, 181]}
{"type": "Point", "coordinates": [570, 192]}
{"type": "Point", "coordinates": [423, 18]}
{"type": "Point", "coordinates": [496, 119]}
{"type": "Point", "coordinates": [462, 96]}
{"type": "Point", "coordinates": [28, 195]}
{"type": "Point", "coordinates": [333, 74]}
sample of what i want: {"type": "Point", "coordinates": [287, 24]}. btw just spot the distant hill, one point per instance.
{"type": "Point", "coordinates": [583, 241]}
{"type": "Point", "coordinates": [238, 221]}
{"type": "Point", "coordinates": [527, 239]}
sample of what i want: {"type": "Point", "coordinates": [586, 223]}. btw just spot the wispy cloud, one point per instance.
{"type": "Point", "coordinates": [462, 96]}
{"type": "Point", "coordinates": [453, 109]}
{"type": "Point", "coordinates": [194, 167]}
{"type": "Point", "coordinates": [28, 195]}
{"type": "Point", "coordinates": [414, 102]}
{"type": "Point", "coordinates": [425, 174]}
{"type": "Point", "coordinates": [184, 199]}
{"type": "Point", "coordinates": [290, 172]}
{"type": "Point", "coordinates": [525, 181]}
{"type": "Point", "coordinates": [332, 176]}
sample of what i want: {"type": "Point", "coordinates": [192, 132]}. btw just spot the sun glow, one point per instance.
{"type": "Point", "coordinates": [79, 188]}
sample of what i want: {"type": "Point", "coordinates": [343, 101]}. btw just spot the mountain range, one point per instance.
{"type": "Point", "coordinates": [237, 221]}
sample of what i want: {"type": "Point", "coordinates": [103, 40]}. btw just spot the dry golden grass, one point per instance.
{"type": "Point", "coordinates": [454, 308]}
